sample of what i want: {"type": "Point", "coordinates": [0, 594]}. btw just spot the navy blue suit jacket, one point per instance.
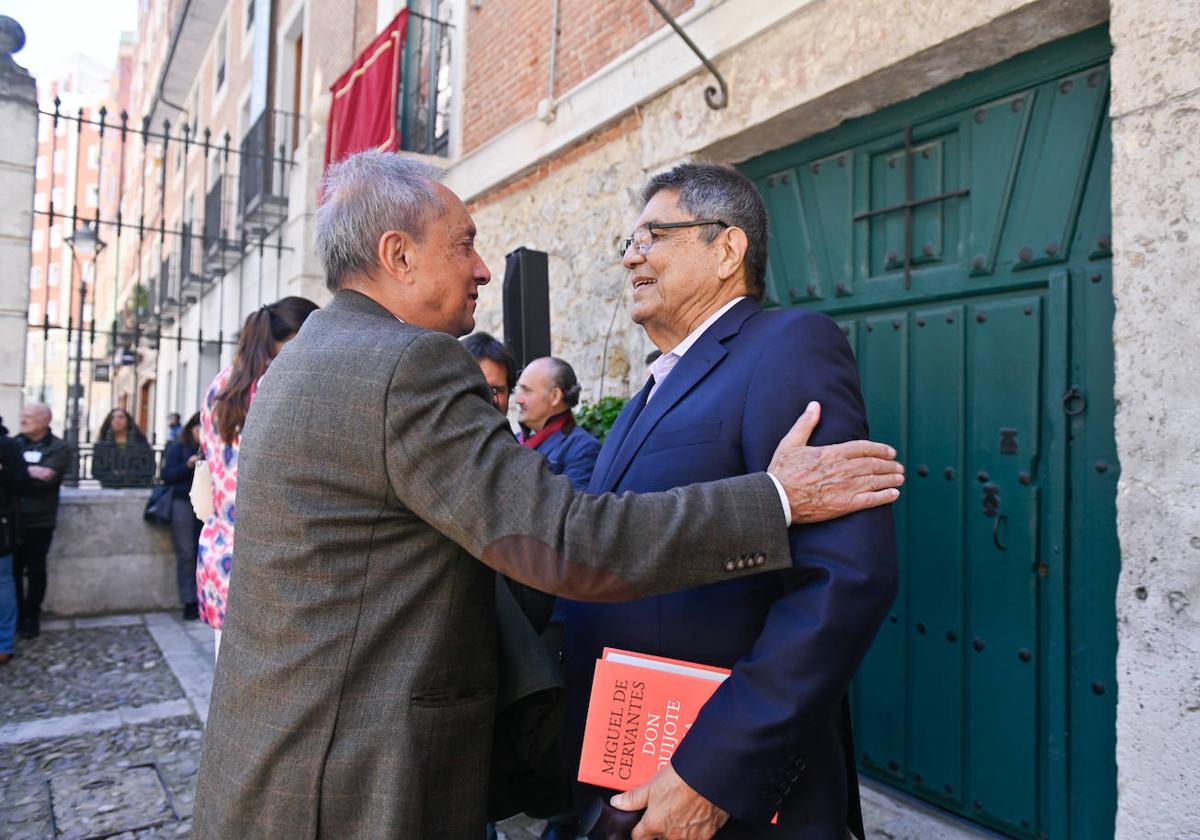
{"type": "Point", "coordinates": [775, 736]}
{"type": "Point", "coordinates": [572, 454]}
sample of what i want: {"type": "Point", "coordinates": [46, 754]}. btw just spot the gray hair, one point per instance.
{"type": "Point", "coordinates": [365, 196]}
{"type": "Point", "coordinates": [710, 191]}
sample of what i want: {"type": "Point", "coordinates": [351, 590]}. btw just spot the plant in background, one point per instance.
{"type": "Point", "coordinates": [597, 418]}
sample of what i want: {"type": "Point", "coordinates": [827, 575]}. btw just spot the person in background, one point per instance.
{"type": "Point", "coordinates": [546, 393]}
{"type": "Point", "coordinates": [499, 369]}
{"type": "Point", "coordinates": [122, 457]}
{"type": "Point", "coordinates": [48, 460]}
{"type": "Point", "coordinates": [223, 411]}
{"type": "Point", "coordinates": [498, 366]}
{"type": "Point", "coordinates": [173, 426]}
{"type": "Point", "coordinates": [179, 468]}
{"type": "Point", "coordinates": [14, 480]}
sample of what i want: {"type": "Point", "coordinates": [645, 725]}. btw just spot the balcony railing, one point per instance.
{"type": "Point", "coordinates": [190, 265]}
{"type": "Point", "coordinates": [426, 93]}
{"type": "Point", "coordinates": [222, 245]}
{"type": "Point", "coordinates": [108, 465]}
{"type": "Point", "coordinates": [267, 159]}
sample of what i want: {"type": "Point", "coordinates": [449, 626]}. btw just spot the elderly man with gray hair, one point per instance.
{"type": "Point", "coordinates": [379, 489]}
{"type": "Point", "coordinates": [48, 459]}
{"type": "Point", "coordinates": [546, 394]}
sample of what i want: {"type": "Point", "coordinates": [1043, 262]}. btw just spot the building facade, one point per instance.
{"type": "Point", "coordinates": [993, 199]}
{"type": "Point", "coordinates": [67, 194]}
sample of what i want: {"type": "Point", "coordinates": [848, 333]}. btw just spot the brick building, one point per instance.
{"type": "Point", "coordinates": [67, 183]}
{"type": "Point", "coordinates": [992, 198]}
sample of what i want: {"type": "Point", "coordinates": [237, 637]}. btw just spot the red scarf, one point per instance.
{"type": "Point", "coordinates": [566, 421]}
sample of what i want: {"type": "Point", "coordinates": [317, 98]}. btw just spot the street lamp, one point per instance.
{"type": "Point", "coordinates": [84, 243]}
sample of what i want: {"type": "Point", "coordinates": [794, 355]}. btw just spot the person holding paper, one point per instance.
{"type": "Point", "coordinates": [775, 737]}
{"type": "Point", "coordinates": [379, 490]}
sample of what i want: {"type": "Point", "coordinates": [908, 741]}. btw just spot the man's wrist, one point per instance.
{"type": "Point", "coordinates": [787, 506]}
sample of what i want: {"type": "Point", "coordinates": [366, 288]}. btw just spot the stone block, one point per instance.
{"type": "Point", "coordinates": [16, 216]}
{"type": "Point", "coordinates": [1156, 198]}
{"type": "Point", "coordinates": [13, 326]}
{"type": "Point", "coordinates": [15, 262]}
{"type": "Point", "coordinates": [109, 803]}
{"type": "Point", "coordinates": [1155, 55]}
{"type": "Point", "coordinates": [105, 559]}
{"type": "Point", "coordinates": [18, 135]}
{"type": "Point", "coordinates": [18, 151]}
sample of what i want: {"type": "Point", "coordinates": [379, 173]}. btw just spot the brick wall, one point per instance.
{"type": "Point", "coordinates": [508, 54]}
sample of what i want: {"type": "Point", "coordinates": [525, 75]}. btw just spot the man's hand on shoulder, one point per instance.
{"type": "Point", "coordinates": [827, 482]}
{"type": "Point", "coordinates": [673, 810]}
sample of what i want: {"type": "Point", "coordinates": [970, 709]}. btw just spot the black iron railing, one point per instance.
{"type": "Point", "coordinates": [222, 244]}
{"type": "Point", "coordinates": [108, 465]}
{"type": "Point", "coordinates": [267, 159]}
{"type": "Point", "coordinates": [190, 266]}
{"type": "Point", "coordinates": [151, 269]}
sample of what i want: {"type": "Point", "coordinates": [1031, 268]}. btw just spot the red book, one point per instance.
{"type": "Point", "coordinates": [641, 708]}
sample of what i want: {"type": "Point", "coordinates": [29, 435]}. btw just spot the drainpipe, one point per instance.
{"type": "Point", "coordinates": [547, 108]}
{"type": "Point", "coordinates": [175, 34]}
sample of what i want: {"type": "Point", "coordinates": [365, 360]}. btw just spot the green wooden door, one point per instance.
{"type": "Point", "coordinates": [962, 241]}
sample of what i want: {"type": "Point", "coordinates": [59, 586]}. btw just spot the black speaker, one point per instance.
{"type": "Point", "coordinates": [527, 305]}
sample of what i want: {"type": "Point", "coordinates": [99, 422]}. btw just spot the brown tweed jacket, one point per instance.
{"type": "Point", "coordinates": [354, 695]}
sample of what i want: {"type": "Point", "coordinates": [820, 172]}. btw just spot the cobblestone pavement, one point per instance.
{"type": "Point", "coordinates": [86, 670]}
{"type": "Point", "coordinates": [100, 729]}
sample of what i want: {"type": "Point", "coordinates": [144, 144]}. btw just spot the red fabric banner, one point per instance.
{"type": "Point", "coordinates": [363, 113]}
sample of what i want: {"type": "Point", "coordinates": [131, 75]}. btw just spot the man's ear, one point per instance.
{"type": "Point", "coordinates": [733, 246]}
{"type": "Point", "coordinates": [395, 253]}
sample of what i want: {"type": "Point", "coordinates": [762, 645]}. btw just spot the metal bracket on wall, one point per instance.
{"type": "Point", "coordinates": [716, 99]}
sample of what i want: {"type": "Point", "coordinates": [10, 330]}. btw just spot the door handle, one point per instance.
{"type": "Point", "coordinates": [1074, 402]}
{"type": "Point", "coordinates": [991, 509]}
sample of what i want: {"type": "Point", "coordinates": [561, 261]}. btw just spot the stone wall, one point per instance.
{"type": "Point", "coordinates": [105, 559]}
{"type": "Point", "coordinates": [1156, 248]}
{"type": "Point", "coordinates": [577, 215]}
{"type": "Point", "coordinates": [18, 152]}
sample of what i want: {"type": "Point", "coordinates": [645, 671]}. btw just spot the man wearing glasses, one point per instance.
{"type": "Point", "coordinates": [497, 364]}
{"type": "Point", "coordinates": [775, 737]}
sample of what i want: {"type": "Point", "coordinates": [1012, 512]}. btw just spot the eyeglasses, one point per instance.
{"type": "Point", "coordinates": [498, 390]}
{"type": "Point", "coordinates": [643, 237]}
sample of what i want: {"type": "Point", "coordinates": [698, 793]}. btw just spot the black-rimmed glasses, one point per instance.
{"type": "Point", "coordinates": [643, 237]}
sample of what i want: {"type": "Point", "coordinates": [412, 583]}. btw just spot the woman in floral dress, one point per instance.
{"type": "Point", "coordinates": [224, 410]}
